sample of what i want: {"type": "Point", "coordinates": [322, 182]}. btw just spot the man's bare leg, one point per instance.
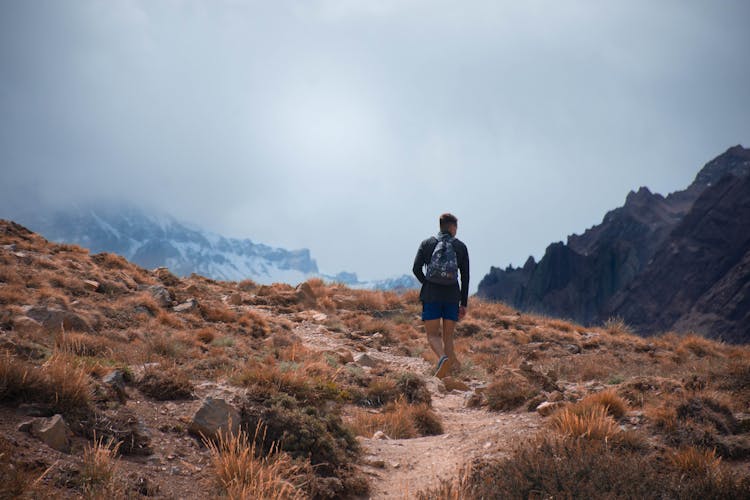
{"type": "Point", "coordinates": [448, 327]}
{"type": "Point", "coordinates": [432, 327]}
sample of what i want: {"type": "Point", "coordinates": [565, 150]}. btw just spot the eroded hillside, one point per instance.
{"type": "Point", "coordinates": [322, 391]}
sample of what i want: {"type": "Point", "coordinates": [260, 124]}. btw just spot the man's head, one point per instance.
{"type": "Point", "coordinates": [448, 223]}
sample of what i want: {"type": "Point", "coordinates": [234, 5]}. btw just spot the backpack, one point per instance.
{"type": "Point", "coordinates": [443, 266]}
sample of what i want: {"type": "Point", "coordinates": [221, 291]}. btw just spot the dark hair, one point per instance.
{"type": "Point", "coordinates": [446, 220]}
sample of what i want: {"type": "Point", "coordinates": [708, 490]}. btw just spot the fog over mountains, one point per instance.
{"type": "Point", "coordinates": [154, 240]}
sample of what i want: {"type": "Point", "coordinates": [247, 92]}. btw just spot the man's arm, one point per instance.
{"type": "Point", "coordinates": [418, 264]}
{"type": "Point", "coordinates": [463, 266]}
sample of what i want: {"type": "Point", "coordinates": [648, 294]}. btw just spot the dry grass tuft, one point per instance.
{"type": "Point", "coordinates": [99, 470]}
{"type": "Point", "coordinates": [692, 460]}
{"type": "Point", "coordinates": [398, 420]}
{"type": "Point", "coordinates": [617, 326]}
{"type": "Point", "coordinates": [593, 423]}
{"type": "Point", "coordinates": [614, 405]}
{"type": "Point", "coordinates": [83, 344]}
{"type": "Point", "coordinates": [166, 385]}
{"type": "Point", "coordinates": [508, 393]}
{"type": "Point", "coordinates": [243, 471]}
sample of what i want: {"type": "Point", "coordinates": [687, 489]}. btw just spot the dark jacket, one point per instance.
{"type": "Point", "coordinates": [432, 292]}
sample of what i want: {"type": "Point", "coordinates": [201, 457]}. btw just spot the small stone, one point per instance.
{"type": "Point", "coordinates": [186, 306]}
{"type": "Point", "coordinates": [380, 435]}
{"type": "Point", "coordinates": [453, 384]}
{"type": "Point", "coordinates": [115, 379]}
{"type": "Point", "coordinates": [345, 356]}
{"type": "Point", "coordinates": [395, 465]}
{"type": "Point", "coordinates": [92, 285]}
{"type": "Point", "coordinates": [573, 348]}
{"type": "Point", "coordinates": [320, 317]}
{"type": "Point", "coordinates": [363, 359]}
{"type": "Point", "coordinates": [52, 431]}
{"type": "Point", "coordinates": [546, 408]}
{"type": "Point", "coordinates": [161, 295]}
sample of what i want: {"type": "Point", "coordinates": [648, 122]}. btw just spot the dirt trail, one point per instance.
{"type": "Point", "coordinates": [399, 468]}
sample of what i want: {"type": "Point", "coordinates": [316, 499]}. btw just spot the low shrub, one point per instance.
{"type": "Point", "coordinates": [166, 385]}
{"type": "Point", "coordinates": [509, 392]}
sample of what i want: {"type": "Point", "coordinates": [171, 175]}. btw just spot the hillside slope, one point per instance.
{"type": "Point", "coordinates": [112, 377]}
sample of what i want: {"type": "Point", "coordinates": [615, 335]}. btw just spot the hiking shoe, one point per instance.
{"type": "Point", "coordinates": [442, 367]}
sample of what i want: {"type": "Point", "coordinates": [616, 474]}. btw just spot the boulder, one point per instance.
{"type": "Point", "coordinates": [345, 356]}
{"type": "Point", "coordinates": [53, 319]}
{"type": "Point", "coordinates": [235, 299]}
{"type": "Point", "coordinates": [215, 415]}
{"type": "Point", "coordinates": [52, 431]}
{"type": "Point", "coordinates": [363, 359]}
{"type": "Point", "coordinates": [161, 295]}
{"type": "Point", "coordinates": [187, 306]}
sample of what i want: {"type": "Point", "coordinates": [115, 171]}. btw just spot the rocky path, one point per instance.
{"type": "Point", "coordinates": [399, 468]}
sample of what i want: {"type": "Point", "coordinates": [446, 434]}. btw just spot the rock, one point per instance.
{"type": "Point", "coordinates": [363, 359]}
{"type": "Point", "coordinates": [25, 426]}
{"type": "Point", "coordinates": [53, 319]}
{"type": "Point", "coordinates": [24, 324]}
{"type": "Point", "coordinates": [305, 294]}
{"type": "Point", "coordinates": [453, 384]}
{"type": "Point", "coordinates": [212, 416]}
{"type": "Point", "coordinates": [235, 299]}
{"type": "Point", "coordinates": [52, 431]}
{"type": "Point", "coordinates": [320, 317]}
{"type": "Point", "coordinates": [480, 389]}
{"type": "Point", "coordinates": [546, 408]}
{"type": "Point", "coordinates": [187, 306]}
{"type": "Point", "coordinates": [379, 435]}
{"type": "Point", "coordinates": [161, 295]}
{"type": "Point", "coordinates": [116, 380]}
{"type": "Point", "coordinates": [556, 396]}
{"type": "Point", "coordinates": [572, 348]}
{"type": "Point", "coordinates": [92, 285]}
{"type": "Point", "coordinates": [166, 277]}
{"type": "Point", "coordinates": [345, 356]}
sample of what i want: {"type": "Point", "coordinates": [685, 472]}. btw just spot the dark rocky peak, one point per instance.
{"type": "Point", "coordinates": [735, 161]}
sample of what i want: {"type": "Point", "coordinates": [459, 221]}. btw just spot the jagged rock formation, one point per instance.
{"type": "Point", "coordinates": [653, 247]}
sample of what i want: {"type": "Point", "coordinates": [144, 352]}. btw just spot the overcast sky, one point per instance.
{"type": "Point", "coordinates": [347, 127]}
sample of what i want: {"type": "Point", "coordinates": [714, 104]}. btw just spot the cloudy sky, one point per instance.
{"type": "Point", "coordinates": [348, 126]}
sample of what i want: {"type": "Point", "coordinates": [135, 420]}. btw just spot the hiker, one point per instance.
{"type": "Point", "coordinates": [443, 257]}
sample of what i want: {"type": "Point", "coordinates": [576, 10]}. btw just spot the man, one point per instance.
{"type": "Point", "coordinates": [442, 257]}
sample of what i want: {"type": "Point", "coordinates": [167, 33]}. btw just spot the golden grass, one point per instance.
{"type": "Point", "coordinates": [243, 472]}
{"type": "Point", "coordinates": [594, 423]}
{"type": "Point", "coordinates": [83, 344]}
{"type": "Point", "coordinates": [399, 420]}
{"type": "Point", "coordinates": [614, 405]}
{"type": "Point", "coordinates": [616, 326]}
{"type": "Point", "coordinates": [100, 471]}
{"type": "Point", "coordinates": [692, 460]}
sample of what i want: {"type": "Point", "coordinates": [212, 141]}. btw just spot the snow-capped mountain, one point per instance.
{"type": "Point", "coordinates": [162, 240]}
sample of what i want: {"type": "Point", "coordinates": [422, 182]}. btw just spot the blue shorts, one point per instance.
{"type": "Point", "coordinates": [437, 310]}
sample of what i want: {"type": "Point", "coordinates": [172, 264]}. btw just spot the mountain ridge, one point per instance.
{"type": "Point", "coordinates": [579, 279]}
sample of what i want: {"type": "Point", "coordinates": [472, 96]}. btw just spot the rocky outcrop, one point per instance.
{"type": "Point", "coordinates": [610, 269]}
{"type": "Point", "coordinates": [700, 279]}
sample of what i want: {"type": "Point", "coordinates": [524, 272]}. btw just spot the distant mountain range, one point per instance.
{"type": "Point", "coordinates": [680, 262]}
{"type": "Point", "coordinates": [161, 240]}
